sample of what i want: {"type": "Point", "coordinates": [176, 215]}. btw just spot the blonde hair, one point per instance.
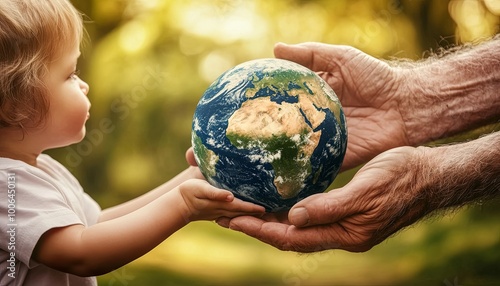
{"type": "Point", "coordinates": [32, 34]}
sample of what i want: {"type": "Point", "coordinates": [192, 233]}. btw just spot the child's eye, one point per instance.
{"type": "Point", "coordinates": [75, 74]}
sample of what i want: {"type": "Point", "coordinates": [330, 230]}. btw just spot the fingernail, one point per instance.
{"type": "Point", "coordinates": [298, 216]}
{"type": "Point", "coordinates": [223, 221]}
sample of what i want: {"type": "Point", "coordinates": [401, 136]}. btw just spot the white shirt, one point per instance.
{"type": "Point", "coordinates": [32, 201]}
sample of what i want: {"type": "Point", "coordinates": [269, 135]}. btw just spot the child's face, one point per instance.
{"type": "Point", "coordinates": [69, 105]}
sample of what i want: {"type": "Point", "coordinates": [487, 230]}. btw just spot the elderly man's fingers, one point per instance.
{"type": "Point", "coordinates": [290, 238]}
{"type": "Point", "coordinates": [324, 208]}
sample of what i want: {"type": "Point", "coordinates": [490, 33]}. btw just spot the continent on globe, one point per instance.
{"type": "Point", "coordinates": [271, 131]}
{"type": "Point", "coordinates": [287, 141]}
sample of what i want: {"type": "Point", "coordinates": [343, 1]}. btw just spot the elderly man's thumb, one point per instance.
{"type": "Point", "coordinates": [324, 208]}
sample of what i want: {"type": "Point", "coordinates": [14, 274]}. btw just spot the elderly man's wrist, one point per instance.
{"type": "Point", "coordinates": [446, 95]}
{"type": "Point", "coordinates": [458, 174]}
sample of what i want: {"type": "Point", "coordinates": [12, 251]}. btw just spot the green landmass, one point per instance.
{"type": "Point", "coordinates": [207, 158]}
{"type": "Point", "coordinates": [286, 155]}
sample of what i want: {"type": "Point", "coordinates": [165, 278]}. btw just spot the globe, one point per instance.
{"type": "Point", "coordinates": [271, 131]}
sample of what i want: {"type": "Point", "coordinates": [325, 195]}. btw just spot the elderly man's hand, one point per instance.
{"type": "Point", "coordinates": [370, 92]}
{"type": "Point", "coordinates": [381, 199]}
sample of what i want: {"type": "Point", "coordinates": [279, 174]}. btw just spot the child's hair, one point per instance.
{"type": "Point", "coordinates": [32, 34]}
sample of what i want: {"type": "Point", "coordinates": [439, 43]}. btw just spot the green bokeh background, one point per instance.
{"type": "Point", "coordinates": [148, 63]}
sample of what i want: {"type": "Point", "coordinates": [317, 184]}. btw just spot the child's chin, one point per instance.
{"type": "Point", "coordinates": [79, 137]}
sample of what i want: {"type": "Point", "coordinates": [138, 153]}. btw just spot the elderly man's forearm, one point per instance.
{"type": "Point", "coordinates": [453, 93]}
{"type": "Point", "coordinates": [463, 173]}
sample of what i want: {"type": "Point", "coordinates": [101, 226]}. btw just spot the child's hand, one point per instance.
{"type": "Point", "coordinates": [202, 201]}
{"type": "Point", "coordinates": [190, 157]}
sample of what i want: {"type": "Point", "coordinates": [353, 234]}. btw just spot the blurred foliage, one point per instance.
{"type": "Point", "coordinates": [148, 63]}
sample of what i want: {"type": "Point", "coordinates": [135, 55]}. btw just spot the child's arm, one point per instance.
{"type": "Point", "coordinates": [134, 204]}
{"type": "Point", "coordinates": [108, 245]}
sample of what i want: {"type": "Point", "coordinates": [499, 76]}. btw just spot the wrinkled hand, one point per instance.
{"type": "Point", "coordinates": [367, 88]}
{"type": "Point", "coordinates": [382, 198]}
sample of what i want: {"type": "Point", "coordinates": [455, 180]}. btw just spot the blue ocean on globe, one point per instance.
{"type": "Point", "coordinates": [271, 131]}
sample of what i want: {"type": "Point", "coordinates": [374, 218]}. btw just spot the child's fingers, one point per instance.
{"type": "Point", "coordinates": [190, 157]}
{"type": "Point", "coordinates": [202, 190]}
{"type": "Point", "coordinates": [242, 207]}
{"type": "Point", "coordinates": [215, 194]}
{"type": "Point", "coordinates": [208, 202]}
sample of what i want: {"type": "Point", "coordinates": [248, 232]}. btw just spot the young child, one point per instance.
{"type": "Point", "coordinates": [52, 233]}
